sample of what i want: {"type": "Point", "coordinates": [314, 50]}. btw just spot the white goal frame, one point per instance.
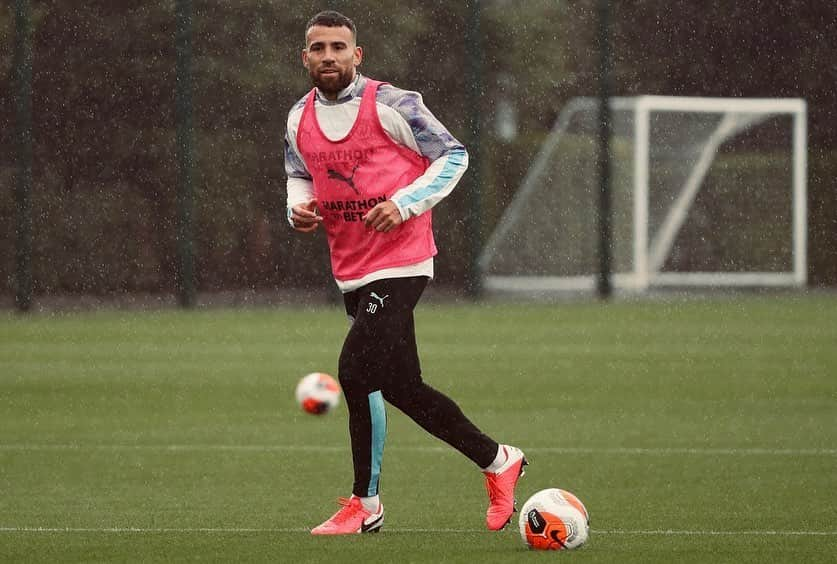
{"type": "Point", "coordinates": [650, 254]}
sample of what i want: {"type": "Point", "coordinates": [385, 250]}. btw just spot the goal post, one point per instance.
{"type": "Point", "coordinates": [706, 192]}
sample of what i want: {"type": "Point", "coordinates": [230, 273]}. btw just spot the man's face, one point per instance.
{"type": "Point", "coordinates": [331, 57]}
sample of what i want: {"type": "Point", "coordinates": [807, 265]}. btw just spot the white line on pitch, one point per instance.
{"type": "Point", "coordinates": [669, 532]}
{"type": "Point", "coordinates": [334, 448]}
{"type": "Point", "coordinates": [245, 530]}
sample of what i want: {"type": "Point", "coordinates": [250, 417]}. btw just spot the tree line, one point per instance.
{"type": "Point", "coordinates": [103, 93]}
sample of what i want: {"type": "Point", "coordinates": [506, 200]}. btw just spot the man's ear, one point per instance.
{"type": "Point", "coordinates": [305, 58]}
{"type": "Point", "coordinates": [358, 55]}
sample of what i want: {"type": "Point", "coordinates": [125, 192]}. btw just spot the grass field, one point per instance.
{"type": "Point", "coordinates": [694, 431]}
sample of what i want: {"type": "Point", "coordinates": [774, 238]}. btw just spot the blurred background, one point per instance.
{"type": "Point", "coordinates": [105, 111]}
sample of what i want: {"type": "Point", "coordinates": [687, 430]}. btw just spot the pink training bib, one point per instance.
{"type": "Point", "coordinates": [351, 176]}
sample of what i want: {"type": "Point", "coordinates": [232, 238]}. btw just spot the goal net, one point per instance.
{"type": "Point", "coordinates": [704, 192]}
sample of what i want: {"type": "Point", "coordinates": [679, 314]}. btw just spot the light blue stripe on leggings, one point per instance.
{"type": "Point", "coordinates": [378, 416]}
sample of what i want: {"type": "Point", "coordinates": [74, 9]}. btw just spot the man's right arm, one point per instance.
{"type": "Point", "coordinates": [300, 186]}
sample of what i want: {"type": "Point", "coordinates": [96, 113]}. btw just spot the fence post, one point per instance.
{"type": "Point", "coordinates": [22, 66]}
{"type": "Point", "coordinates": [474, 54]}
{"type": "Point", "coordinates": [604, 288]}
{"type": "Point", "coordinates": [185, 155]}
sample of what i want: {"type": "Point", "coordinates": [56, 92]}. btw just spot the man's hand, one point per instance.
{"type": "Point", "coordinates": [383, 217]}
{"type": "Point", "coordinates": [305, 218]}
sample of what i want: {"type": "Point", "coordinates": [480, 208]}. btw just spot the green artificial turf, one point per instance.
{"type": "Point", "coordinates": [693, 430]}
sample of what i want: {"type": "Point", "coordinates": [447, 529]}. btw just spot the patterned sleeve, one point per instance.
{"type": "Point", "coordinates": [300, 186]}
{"type": "Point", "coordinates": [430, 138]}
{"type": "Point", "coordinates": [294, 165]}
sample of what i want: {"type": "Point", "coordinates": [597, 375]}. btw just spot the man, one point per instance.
{"type": "Point", "coordinates": [368, 161]}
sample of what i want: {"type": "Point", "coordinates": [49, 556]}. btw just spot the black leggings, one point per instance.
{"type": "Point", "coordinates": [379, 361]}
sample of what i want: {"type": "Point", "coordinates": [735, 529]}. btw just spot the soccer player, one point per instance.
{"type": "Point", "coordinates": [368, 161]}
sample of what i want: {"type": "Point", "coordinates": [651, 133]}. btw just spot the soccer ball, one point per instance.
{"type": "Point", "coordinates": [318, 393]}
{"type": "Point", "coordinates": [554, 519]}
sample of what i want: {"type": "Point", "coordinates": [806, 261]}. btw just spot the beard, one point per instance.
{"type": "Point", "coordinates": [332, 84]}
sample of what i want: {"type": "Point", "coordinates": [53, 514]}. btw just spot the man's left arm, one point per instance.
{"type": "Point", "coordinates": [408, 122]}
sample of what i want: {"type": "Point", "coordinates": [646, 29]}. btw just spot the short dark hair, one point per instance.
{"type": "Point", "coordinates": [330, 18]}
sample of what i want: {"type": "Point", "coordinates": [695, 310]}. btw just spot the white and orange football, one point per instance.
{"type": "Point", "coordinates": [318, 393]}
{"type": "Point", "coordinates": [554, 519]}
